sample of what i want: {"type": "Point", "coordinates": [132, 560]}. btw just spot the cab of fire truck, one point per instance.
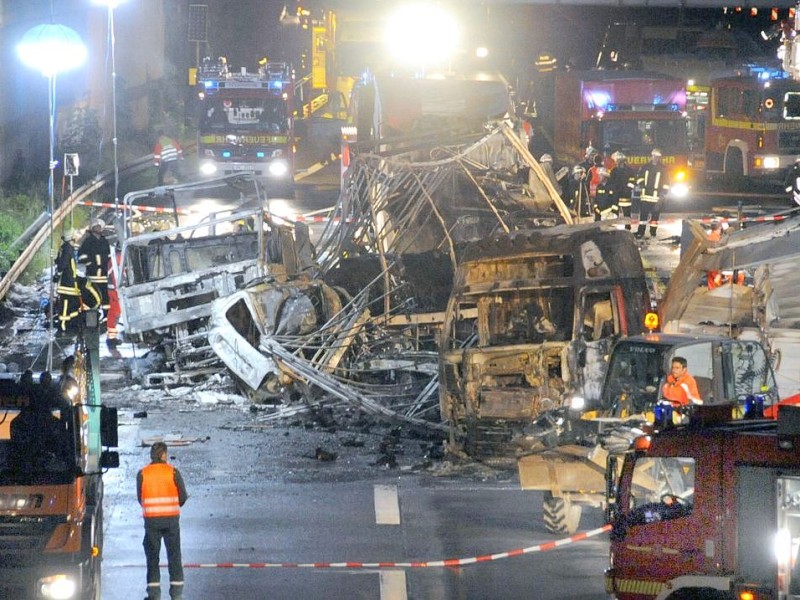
{"type": "Point", "coordinates": [54, 440]}
{"type": "Point", "coordinates": [709, 508]}
{"type": "Point", "coordinates": [246, 122]}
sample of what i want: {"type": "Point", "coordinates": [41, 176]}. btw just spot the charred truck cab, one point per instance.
{"type": "Point", "coordinates": [710, 509]}
{"type": "Point", "coordinates": [530, 318]}
{"type": "Point", "coordinates": [52, 440]}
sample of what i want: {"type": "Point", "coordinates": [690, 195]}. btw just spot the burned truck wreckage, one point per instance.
{"type": "Point", "coordinates": [362, 316]}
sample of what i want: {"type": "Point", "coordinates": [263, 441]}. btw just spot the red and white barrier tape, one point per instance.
{"type": "Point", "coordinates": [452, 562]}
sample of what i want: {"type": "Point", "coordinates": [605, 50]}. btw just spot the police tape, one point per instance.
{"type": "Point", "coordinates": [452, 562]}
{"type": "Point", "coordinates": [707, 220]}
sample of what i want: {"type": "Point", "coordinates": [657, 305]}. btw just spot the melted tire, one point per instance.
{"type": "Point", "coordinates": [560, 515]}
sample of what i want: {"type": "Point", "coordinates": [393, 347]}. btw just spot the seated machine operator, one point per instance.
{"type": "Point", "coordinates": [680, 387]}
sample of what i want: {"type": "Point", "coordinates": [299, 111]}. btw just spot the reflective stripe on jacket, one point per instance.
{"type": "Point", "coordinates": [159, 491]}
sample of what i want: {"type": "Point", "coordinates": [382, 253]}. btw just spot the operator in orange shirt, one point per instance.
{"type": "Point", "coordinates": [680, 387]}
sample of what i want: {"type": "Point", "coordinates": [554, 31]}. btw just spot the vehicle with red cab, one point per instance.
{"type": "Point", "coordinates": [752, 129]}
{"type": "Point", "coordinates": [710, 509]}
{"type": "Point", "coordinates": [246, 121]}
{"type": "Point", "coordinates": [633, 112]}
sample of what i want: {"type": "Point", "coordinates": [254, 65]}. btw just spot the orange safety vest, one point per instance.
{"type": "Point", "coordinates": [674, 389]}
{"type": "Point", "coordinates": [159, 492]}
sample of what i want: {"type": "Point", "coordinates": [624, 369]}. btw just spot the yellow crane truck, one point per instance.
{"type": "Point", "coordinates": [54, 440]}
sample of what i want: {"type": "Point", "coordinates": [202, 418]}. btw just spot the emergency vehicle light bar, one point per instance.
{"type": "Point", "coordinates": [642, 108]}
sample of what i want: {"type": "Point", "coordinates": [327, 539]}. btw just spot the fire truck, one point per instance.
{"type": "Point", "coordinates": [752, 126]}
{"type": "Point", "coordinates": [709, 509]}
{"type": "Point", "coordinates": [246, 121]}
{"type": "Point", "coordinates": [51, 487]}
{"type": "Point", "coordinates": [628, 111]}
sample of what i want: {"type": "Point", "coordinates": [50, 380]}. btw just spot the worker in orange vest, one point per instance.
{"type": "Point", "coordinates": [680, 387]}
{"type": "Point", "coordinates": [161, 492]}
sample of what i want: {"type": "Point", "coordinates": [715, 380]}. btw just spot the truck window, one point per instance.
{"type": "Point", "coordinates": [632, 382]}
{"type": "Point", "coordinates": [639, 137]}
{"type": "Point", "coordinates": [599, 319]}
{"type": "Point", "coordinates": [527, 316]}
{"type": "Point", "coordinates": [746, 371]}
{"type": "Point", "coordinates": [661, 489]}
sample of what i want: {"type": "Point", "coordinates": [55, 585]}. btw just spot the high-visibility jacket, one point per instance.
{"type": "Point", "coordinates": [159, 494]}
{"type": "Point", "coordinates": [166, 149]}
{"type": "Point", "coordinates": [682, 390]}
{"type": "Point", "coordinates": [653, 181]}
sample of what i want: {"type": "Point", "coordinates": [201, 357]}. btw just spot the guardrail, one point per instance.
{"type": "Point", "coordinates": [65, 208]}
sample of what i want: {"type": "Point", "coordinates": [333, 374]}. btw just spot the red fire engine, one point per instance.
{"type": "Point", "coordinates": [630, 111]}
{"type": "Point", "coordinates": [752, 128]}
{"type": "Point", "coordinates": [710, 509]}
{"type": "Point", "coordinates": [246, 122]}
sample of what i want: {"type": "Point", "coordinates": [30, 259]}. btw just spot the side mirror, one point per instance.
{"type": "Point", "coordinates": [109, 460]}
{"type": "Point", "coordinates": [108, 428]}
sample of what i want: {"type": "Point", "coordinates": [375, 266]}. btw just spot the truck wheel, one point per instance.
{"type": "Point", "coordinates": [560, 515]}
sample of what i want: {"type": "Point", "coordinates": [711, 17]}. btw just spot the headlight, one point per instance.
{"type": "Point", "coordinates": [577, 403]}
{"type": "Point", "coordinates": [772, 162]}
{"type": "Point", "coordinates": [278, 168]}
{"type": "Point", "coordinates": [679, 190]}
{"type": "Point", "coordinates": [208, 168]}
{"type": "Point", "coordinates": [58, 587]}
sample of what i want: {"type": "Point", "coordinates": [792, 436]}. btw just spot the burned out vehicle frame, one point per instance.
{"type": "Point", "coordinates": [531, 317]}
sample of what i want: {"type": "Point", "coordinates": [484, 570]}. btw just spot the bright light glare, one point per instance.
{"type": "Point", "coordinates": [679, 191]}
{"type": "Point", "coordinates": [58, 587]}
{"type": "Point", "coordinates": [51, 49]}
{"type": "Point", "coordinates": [112, 4]}
{"type": "Point", "coordinates": [278, 168]}
{"type": "Point", "coordinates": [208, 168]}
{"type": "Point", "coordinates": [481, 52]}
{"type": "Point", "coordinates": [421, 35]}
{"type": "Point", "coordinates": [577, 403]}
{"type": "Point", "coordinates": [783, 547]}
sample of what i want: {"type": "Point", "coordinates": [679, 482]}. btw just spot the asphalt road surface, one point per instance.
{"type": "Point", "coordinates": [259, 495]}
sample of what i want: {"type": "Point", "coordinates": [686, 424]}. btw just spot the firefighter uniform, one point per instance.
{"type": "Point", "coordinates": [577, 194]}
{"type": "Point", "coordinates": [605, 204]}
{"type": "Point", "coordinates": [161, 493]}
{"type": "Point", "coordinates": [792, 181]}
{"type": "Point", "coordinates": [652, 179]}
{"type": "Point", "coordinates": [621, 182]}
{"type": "Point", "coordinates": [95, 253]}
{"type": "Point", "coordinates": [68, 302]}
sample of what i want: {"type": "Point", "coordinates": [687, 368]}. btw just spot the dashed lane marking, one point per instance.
{"type": "Point", "coordinates": [387, 506]}
{"type": "Point", "coordinates": [393, 585]}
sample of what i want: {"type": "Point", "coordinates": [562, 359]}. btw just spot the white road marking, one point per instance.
{"type": "Point", "coordinates": [393, 585]}
{"type": "Point", "coordinates": [387, 507]}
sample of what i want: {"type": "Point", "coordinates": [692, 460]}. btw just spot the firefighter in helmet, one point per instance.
{"type": "Point", "coordinates": [621, 181]}
{"type": "Point", "coordinates": [652, 179]}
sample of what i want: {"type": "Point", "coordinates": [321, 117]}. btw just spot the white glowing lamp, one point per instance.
{"type": "Point", "coordinates": [52, 49]}
{"type": "Point", "coordinates": [421, 35]}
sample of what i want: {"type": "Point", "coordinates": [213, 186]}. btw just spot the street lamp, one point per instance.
{"type": "Point", "coordinates": [51, 49]}
{"type": "Point", "coordinates": [111, 5]}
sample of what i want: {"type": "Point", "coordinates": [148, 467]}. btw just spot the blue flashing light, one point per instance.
{"type": "Point", "coordinates": [226, 154]}
{"type": "Point", "coordinates": [260, 154]}
{"type": "Point", "coordinates": [276, 85]}
{"type": "Point", "coordinates": [210, 84]}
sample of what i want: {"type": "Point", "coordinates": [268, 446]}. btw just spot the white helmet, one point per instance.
{"type": "Point", "coordinates": [578, 170]}
{"type": "Point", "coordinates": [590, 151]}
{"type": "Point", "coordinates": [68, 235]}
{"type": "Point", "coordinates": [546, 158]}
{"type": "Point", "coordinates": [619, 157]}
{"type": "Point", "coordinates": [97, 224]}
{"type": "Point", "coordinates": [656, 152]}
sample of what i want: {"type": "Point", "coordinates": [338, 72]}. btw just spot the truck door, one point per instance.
{"type": "Point", "coordinates": [651, 545]}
